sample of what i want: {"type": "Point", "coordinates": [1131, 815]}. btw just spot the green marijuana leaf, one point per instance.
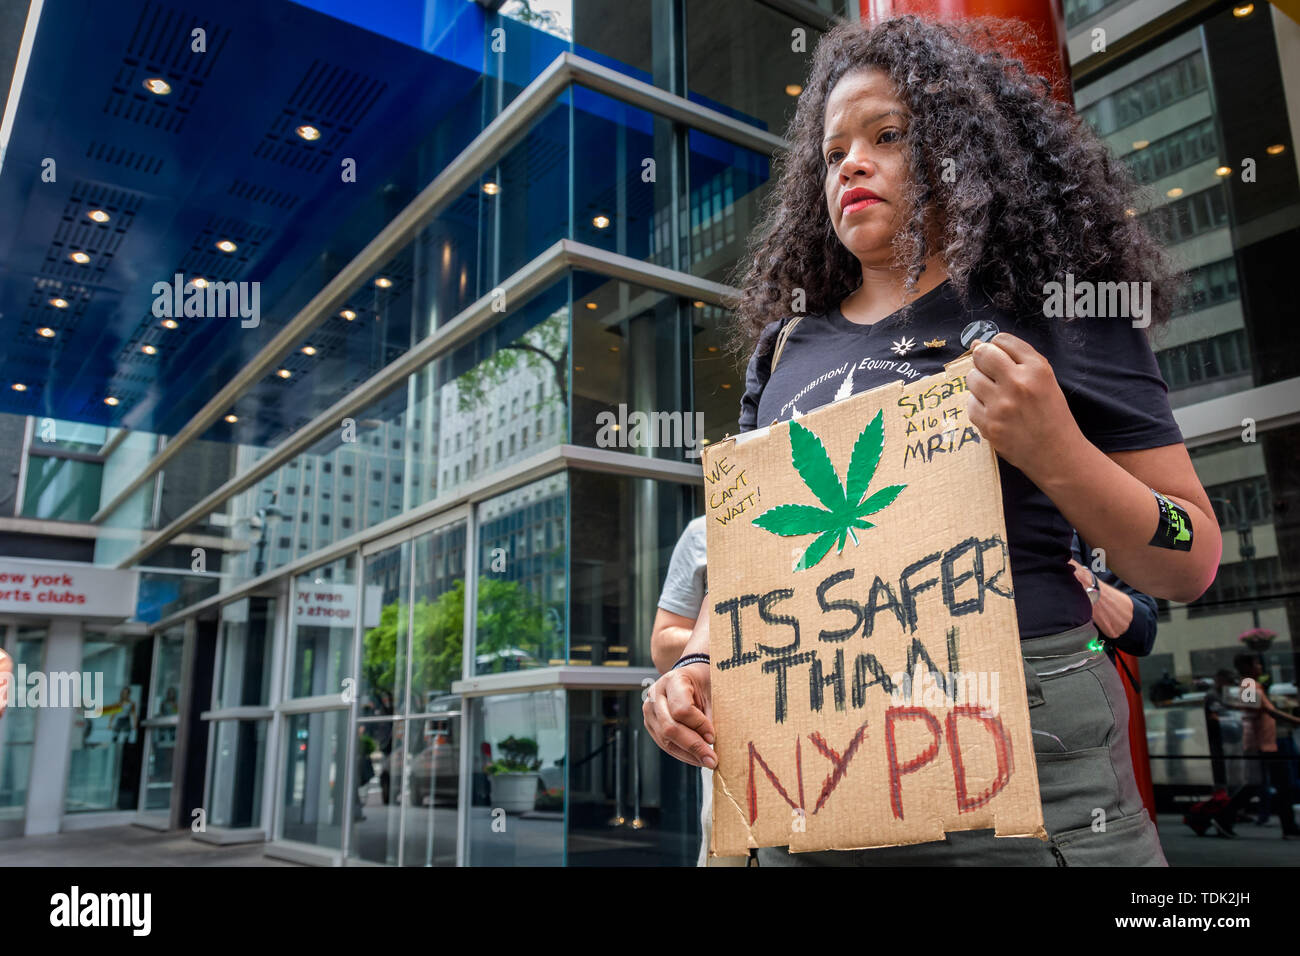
{"type": "Point", "coordinates": [845, 508]}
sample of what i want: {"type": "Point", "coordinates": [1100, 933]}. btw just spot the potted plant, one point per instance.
{"type": "Point", "coordinates": [1257, 639]}
{"type": "Point", "coordinates": [514, 775]}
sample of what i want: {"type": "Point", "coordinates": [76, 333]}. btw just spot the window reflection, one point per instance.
{"type": "Point", "coordinates": [520, 611]}
{"type": "Point", "coordinates": [18, 728]}
{"type": "Point", "coordinates": [107, 750]}
{"type": "Point", "coordinates": [518, 764]}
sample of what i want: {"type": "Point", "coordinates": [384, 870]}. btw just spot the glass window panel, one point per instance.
{"type": "Point", "coordinates": [433, 786]}
{"type": "Point", "coordinates": [247, 638]}
{"type": "Point", "coordinates": [236, 773]}
{"type": "Point", "coordinates": [521, 599]}
{"type": "Point", "coordinates": [628, 359]}
{"type": "Point", "coordinates": [158, 770]}
{"type": "Point", "coordinates": [313, 798]}
{"type": "Point", "coordinates": [622, 539]}
{"type": "Point", "coordinates": [438, 629]}
{"type": "Point", "coordinates": [740, 59]}
{"type": "Point", "coordinates": [615, 207]}
{"type": "Point", "coordinates": [386, 599]}
{"type": "Point", "coordinates": [165, 698]}
{"type": "Point", "coordinates": [325, 607]}
{"type": "Point", "coordinates": [630, 804]}
{"type": "Point", "coordinates": [107, 748]}
{"type": "Point", "coordinates": [728, 184]}
{"type": "Point", "coordinates": [18, 728]}
{"type": "Point", "coordinates": [61, 489]}
{"type": "Point", "coordinates": [509, 734]}
{"type": "Point", "coordinates": [375, 820]}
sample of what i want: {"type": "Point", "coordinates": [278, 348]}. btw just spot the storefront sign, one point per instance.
{"type": "Point", "coordinates": [50, 588]}
{"type": "Point", "coordinates": [334, 605]}
{"type": "Point", "coordinates": [868, 687]}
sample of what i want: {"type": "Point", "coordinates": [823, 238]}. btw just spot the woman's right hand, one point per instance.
{"type": "Point", "coordinates": [678, 713]}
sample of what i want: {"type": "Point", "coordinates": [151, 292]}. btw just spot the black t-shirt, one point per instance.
{"type": "Point", "coordinates": [1105, 368]}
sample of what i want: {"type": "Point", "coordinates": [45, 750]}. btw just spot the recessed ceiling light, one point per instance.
{"type": "Point", "coordinates": [45, 332]}
{"type": "Point", "coordinates": [1276, 149]}
{"type": "Point", "coordinates": [148, 350]}
{"type": "Point", "coordinates": [225, 245]}
{"type": "Point", "coordinates": [18, 387]}
{"type": "Point", "coordinates": [592, 306]}
{"type": "Point", "coordinates": [81, 258]}
{"type": "Point", "coordinates": [348, 314]}
{"type": "Point", "coordinates": [59, 303]}
{"type": "Point", "coordinates": [1141, 143]}
{"type": "Point", "coordinates": [1223, 171]}
{"type": "Point", "coordinates": [613, 348]}
{"type": "Point", "coordinates": [232, 418]}
{"type": "Point", "coordinates": [601, 222]}
{"type": "Point", "coordinates": [309, 350]}
{"type": "Point", "coordinates": [308, 132]}
{"type": "Point", "coordinates": [491, 188]}
{"type": "Point", "coordinates": [169, 323]}
{"type": "Point", "coordinates": [158, 86]}
{"type": "Point", "coordinates": [98, 215]}
{"type": "Point", "coordinates": [1243, 10]}
{"type": "Point", "coordinates": [1175, 192]}
{"type": "Point", "coordinates": [111, 400]}
{"type": "Point", "coordinates": [793, 89]}
{"type": "Point", "coordinates": [199, 282]}
{"type": "Point", "coordinates": [284, 373]}
{"type": "Point", "coordinates": [383, 282]}
{"type": "Point", "coordinates": [698, 304]}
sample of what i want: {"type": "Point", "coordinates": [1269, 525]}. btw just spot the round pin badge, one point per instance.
{"type": "Point", "coordinates": [981, 330]}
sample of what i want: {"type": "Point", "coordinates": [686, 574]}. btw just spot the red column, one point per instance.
{"type": "Point", "coordinates": [1047, 57]}
{"type": "Point", "coordinates": [1045, 19]}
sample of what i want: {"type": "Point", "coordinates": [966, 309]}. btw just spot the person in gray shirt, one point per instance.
{"type": "Point", "coordinates": [682, 597]}
{"type": "Point", "coordinates": [680, 604]}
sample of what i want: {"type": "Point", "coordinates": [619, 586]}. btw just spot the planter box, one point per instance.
{"type": "Point", "coordinates": [514, 792]}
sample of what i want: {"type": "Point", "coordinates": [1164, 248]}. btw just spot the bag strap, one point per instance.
{"type": "Point", "coordinates": [781, 338]}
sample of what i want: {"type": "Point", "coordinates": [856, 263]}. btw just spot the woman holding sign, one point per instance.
{"type": "Point", "coordinates": [937, 199]}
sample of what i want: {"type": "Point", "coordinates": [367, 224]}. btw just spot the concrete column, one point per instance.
{"type": "Point", "coordinates": [51, 754]}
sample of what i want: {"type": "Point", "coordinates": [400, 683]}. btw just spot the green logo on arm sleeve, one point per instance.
{"type": "Point", "coordinates": [1174, 530]}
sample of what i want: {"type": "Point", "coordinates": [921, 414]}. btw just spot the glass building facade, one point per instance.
{"type": "Point", "coordinates": [1203, 114]}
{"type": "Point", "coordinates": [396, 587]}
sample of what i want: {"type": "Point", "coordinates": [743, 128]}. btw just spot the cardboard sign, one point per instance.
{"type": "Point", "coordinates": [868, 687]}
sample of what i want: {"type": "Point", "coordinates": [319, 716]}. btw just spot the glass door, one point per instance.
{"type": "Point", "coordinates": [160, 725]}
{"type": "Point", "coordinates": [26, 647]}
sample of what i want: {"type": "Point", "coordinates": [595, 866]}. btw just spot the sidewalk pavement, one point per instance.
{"type": "Point", "coordinates": [137, 846]}
{"type": "Point", "coordinates": [128, 846]}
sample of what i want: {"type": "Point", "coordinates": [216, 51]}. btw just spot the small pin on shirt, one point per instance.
{"type": "Point", "coordinates": [981, 330]}
{"type": "Point", "coordinates": [903, 346]}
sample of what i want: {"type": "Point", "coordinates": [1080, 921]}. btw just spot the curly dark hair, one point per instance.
{"type": "Point", "coordinates": [1036, 193]}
